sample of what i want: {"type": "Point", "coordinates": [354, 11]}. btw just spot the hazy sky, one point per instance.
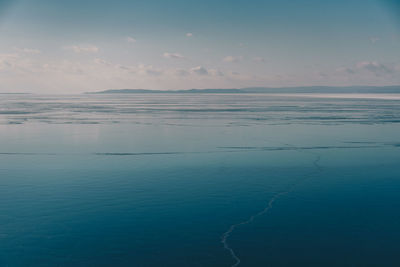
{"type": "Point", "coordinates": [76, 46]}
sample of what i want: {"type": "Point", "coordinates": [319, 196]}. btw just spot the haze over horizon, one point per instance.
{"type": "Point", "coordinates": [80, 46]}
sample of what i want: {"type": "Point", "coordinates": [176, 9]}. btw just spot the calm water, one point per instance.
{"type": "Point", "coordinates": [199, 180]}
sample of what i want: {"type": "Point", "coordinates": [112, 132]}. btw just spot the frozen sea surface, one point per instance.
{"type": "Point", "coordinates": [199, 180]}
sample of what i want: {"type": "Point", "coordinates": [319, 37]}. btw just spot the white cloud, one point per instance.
{"type": "Point", "coordinates": [22, 69]}
{"type": "Point", "coordinates": [199, 70]}
{"type": "Point", "coordinates": [367, 68]}
{"type": "Point", "coordinates": [232, 59]}
{"type": "Point", "coordinates": [130, 40]}
{"type": "Point", "coordinates": [173, 55]}
{"type": "Point", "coordinates": [140, 69]}
{"type": "Point", "coordinates": [82, 48]}
{"type": "Point", "coordinates": [189, 34]}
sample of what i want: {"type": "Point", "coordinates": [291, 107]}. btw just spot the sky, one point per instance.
{"type": "Point", "coordinates": [49, 46]}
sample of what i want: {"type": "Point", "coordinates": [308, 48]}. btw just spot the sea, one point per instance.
{"type": "Point", "coordinates": [199, 180]}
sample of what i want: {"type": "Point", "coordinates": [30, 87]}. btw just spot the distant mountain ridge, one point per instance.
{"type": "Point", "coordinates": [283, 90]}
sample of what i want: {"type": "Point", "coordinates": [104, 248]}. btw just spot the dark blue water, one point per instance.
{"type": "Point", "coordinates": [160, 180]}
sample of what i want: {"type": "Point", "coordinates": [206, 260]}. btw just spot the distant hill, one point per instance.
{"type": "Point", "coordinates": [327, 89]}
{"type": "Point", "coordinates": [282, 90]}
{"type": "Point", "coordinates": [147, 91]}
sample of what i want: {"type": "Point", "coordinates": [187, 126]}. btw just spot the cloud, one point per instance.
{"type": "Point", "coordinates": [130, 40]}
{"type": "Point", "coordinates": [199, 70]}
{"type": "Point", "coordinates": [173, 55]}
{"type": "Point", "coordinates": [82, 48]}
{"type": "Point", "coordinates": [22, 68]}
{"type": "Point", "coordinates": [189, 34]}
{"type": "Point", "coordinates": [366, 68]}
{"type": "Point", "coordinates": [375, 67]}
{"type": "Point", "coordinates": [141, 69]}
{"type": "Point", "coordinates": [19, 71]}
{"type": "Point", "coordinates": [232, 59]}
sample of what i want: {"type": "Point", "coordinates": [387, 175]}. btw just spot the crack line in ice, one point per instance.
{"type": "Point", "coordinates": [227, 234]}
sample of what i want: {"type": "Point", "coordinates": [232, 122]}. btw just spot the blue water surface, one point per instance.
{"type": "Point", "coordinates": [157, 180]}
